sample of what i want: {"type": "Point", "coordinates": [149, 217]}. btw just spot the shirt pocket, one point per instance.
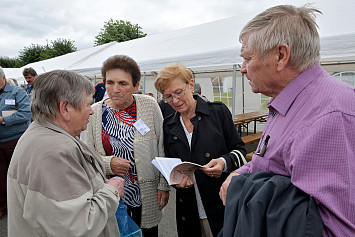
{"type": "Point", "coordinates": [259, 163]}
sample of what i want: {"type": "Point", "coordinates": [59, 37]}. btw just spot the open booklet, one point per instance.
{"type": "Point", "coordinates": [173, 169]}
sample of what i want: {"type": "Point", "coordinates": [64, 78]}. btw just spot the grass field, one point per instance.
{"type": "Point", "coordinates": [264, 100]}
{"type": "Point", "coordinates": [226, 98]}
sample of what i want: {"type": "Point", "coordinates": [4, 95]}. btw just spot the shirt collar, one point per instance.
{"type": "Point", "coordinates": [288, 95]}
{"type": "Point", "coordinates": [3, 88]}
{"type": "Point", "coordinates": [201, 106]}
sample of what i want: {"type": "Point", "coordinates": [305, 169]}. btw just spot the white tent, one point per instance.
{"type": "Point", "coordinates": [211, 44]}
{"type": "Point", "coordinates": [207, 46]}
{"type": "Point", "coordinates": [210, 49]}
{"type": "Point", "coordinates": [15, 73]}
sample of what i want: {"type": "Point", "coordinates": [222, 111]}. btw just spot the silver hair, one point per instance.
{"type": "Point", "coordinates": [286, 24]}
{"type": "Point", "coordinates": [197, 88]}
{"type": "Point", "coordinates": [2, 73]}
{"type": "Point", "coordinates": [53, 87]}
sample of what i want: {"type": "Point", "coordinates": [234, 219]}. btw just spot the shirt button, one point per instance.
{"type": "Point", "coordinates": [183, 218]}
{"type": "Point", "coordinates": [199, 117]}
{"type": "Point", "coordinates": [174, 137]}
{"type": "Point", "coordinates": [207, 155]}
{"type": "Point", "coordinates": [137, 161]}
{"type": "Point", "coordinates": [140, 179]}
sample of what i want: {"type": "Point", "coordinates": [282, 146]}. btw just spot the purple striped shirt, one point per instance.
{"type": "Point", "coordinates": [311, 126]}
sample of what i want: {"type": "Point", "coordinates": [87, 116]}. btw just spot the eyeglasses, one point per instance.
{"type": "Point", "coordinates": [177, 95]}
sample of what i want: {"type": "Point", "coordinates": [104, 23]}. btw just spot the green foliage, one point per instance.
{"type": "Point", "coordinates": [57, 48]}
{"type": "Point", "coordinates": [7, 62]}
{"type": "Point", "coordinates": [36, 52]}
{"type": "Point", "coordinates": [119, 31]}
{"type": "Point", "coordinates": [31, 53]}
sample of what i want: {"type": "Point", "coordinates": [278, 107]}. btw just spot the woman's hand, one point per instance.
{"type": "Point", "coordinates": [118, 183]}
{"type": "Point", "coordinates": [214, 168]}
{"type": "Point", "coordinates": [187, 182]}
{"type": "Point", "coordinates": [163, 198]}
{"type": "Point", "coordinates": [119, 166]}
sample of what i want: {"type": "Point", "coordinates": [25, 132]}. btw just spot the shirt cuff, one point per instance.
{"type": "Point", "coordinates": [225, 169]}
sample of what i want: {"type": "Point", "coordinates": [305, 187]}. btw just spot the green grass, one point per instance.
{"type": "Point", "coordinates": [264, 100]}
{"type": "Point", "coordinates": [223, 98]}
{"type": "Point", "coordinates": [229, 101]}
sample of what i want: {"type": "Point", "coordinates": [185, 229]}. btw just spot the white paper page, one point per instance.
{"type": "Point", "coordinates": [155, 163]}
{"type": "Point", "coordinates": [168, 164]}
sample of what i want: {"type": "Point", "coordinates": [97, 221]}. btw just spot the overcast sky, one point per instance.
{"type": "Point", "coordinates": [24, 22]}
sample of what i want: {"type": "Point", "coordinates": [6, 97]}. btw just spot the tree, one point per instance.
{"type": "Point", "coordinates": [58, 47]}
{"type": "Point", "coordinates": [7, 62]}
{"type": "Point", "coordinates": [119, 31]}
{"type": "Point", "coordinates": [36, 52]}
{"type": "Point", "coordinates": [31, 53]}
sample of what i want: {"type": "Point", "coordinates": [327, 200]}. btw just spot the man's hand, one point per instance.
{"type": "Point", "coordinates": [163, 198]}
{"type": "Point", "coordinates": [118, 183]}
{"type": "Point", "coordinates": [214, 168]}
{"type": "Point", "coordinates": [224, 187]}
{"type": "Point", "coordinates": [119, 166]}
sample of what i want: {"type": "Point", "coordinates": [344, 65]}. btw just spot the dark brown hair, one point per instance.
{"type": "Point", "coordinates": [124, 63]}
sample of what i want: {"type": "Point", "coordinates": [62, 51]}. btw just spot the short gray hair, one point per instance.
{"type": "Point", "coordinates": [197, 88]}
{"type": "Point", "coordinates": [53, 87]}
{"type": "Point", "coordinates": [286, 24]}
{"type": "Point", "coordinates": [2, 73]}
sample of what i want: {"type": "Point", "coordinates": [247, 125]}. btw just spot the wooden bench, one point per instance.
{"type": "Point", "coordinates": [249, 155]}
{"type": "Point", "coordinates": [252, 138]}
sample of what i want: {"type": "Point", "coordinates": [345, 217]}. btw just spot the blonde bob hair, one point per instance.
{"type": "Point", "coordinates": [285, 24]}
{"type": "Point", "coordinates": [170, 73]}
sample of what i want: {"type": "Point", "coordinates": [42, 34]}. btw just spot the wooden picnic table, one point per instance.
{"type": "Point", "coordinates": [242, 120]}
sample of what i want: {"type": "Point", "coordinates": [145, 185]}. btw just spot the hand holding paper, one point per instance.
{"type": "Point", "coordinates": [173, 169]}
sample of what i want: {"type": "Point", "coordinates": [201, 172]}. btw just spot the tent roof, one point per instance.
{"type": "Point", "coordinates": [209, 46]}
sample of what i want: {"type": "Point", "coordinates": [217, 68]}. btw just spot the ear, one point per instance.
{"type": "Point", "coordinates": [192, 85]}
{"type": "Point", "coordinates": [283, 56]}
{"type": "Point", "coordinates": [64, 108]}
{"type": "Point", "coordinates": [136, 88]}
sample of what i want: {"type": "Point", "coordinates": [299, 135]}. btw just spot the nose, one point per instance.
{"type": "Point", "coordinates": [91, 111]}
{"type": "Point", "coordinates": [116, 88]}
{"type": "Point", "coordinates": [175, 100]}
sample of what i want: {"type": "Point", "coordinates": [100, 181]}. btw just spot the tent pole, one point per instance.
{"type": "Point", "coordinates": [144, 83]}
{"type": "Point", "coordinates": [234, 85]}
{"type": "Point", "coordinates": [243, 91]}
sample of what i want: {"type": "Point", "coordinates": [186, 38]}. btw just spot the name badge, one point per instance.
{"type": "Point", "coordinates": [9, 102]}
{"type": "Point", "coordinates": [141, 127]}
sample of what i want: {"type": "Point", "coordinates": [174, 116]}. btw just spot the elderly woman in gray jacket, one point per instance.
{"type": "Point", "coordinates": [126, 130]}
{"type": "Point", "coordinates": [56, 183]}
